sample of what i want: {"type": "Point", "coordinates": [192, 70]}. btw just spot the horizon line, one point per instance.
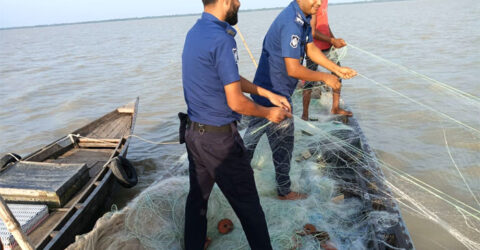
{"type": "Point", "coordinates": [172, 15]}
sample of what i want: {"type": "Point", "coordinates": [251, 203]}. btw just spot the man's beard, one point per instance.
{"type": "Point", "coordinates": [232, 16]}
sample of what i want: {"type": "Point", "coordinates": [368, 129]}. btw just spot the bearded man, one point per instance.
{"type": "Point", "coordinates": [216, 153]}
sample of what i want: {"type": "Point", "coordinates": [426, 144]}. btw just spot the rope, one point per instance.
{"type": "Point", "coordinates": [444, 85]}
{"type": "Point", "coordinates": [152, 142]}
{"type": "Point", "coordinates": [423, 105]}
{"type": "Point", "coordinates": [402, 174]}
{"type": "Point", "coordinates": [12, 155]}
{"type": "Point", "coordinates": [458, 170]}
{"type": "Point", "coordinates": [246, 46]}
{"type": "Point", "coordinates": [136, 136]}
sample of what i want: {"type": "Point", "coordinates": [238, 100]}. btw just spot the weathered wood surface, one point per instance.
{"type": "Point", "coordinates": [90, 208]}
{"type": "Point", "coordinates": [129, 108]}
{"type": "Point", "coordinates": [13, 226]}
{"type": "Point", "coordinates": [59, 147]}
{"type": "Point", "coordinates": [116, 128]}
{"type": "Point", "coordinates": [91, 140]}
{"type": "Point", "coordinates": [36, 182]}
{"type": "Point", "coordinates": [98, 145]}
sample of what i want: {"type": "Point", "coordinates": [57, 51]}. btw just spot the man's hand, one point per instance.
{"type": "Point", "coordinates": [338, 42]}
{"type": "Point", "coordinates": [276, 114]}
{"type": "Point", "coordinates": [279, 101]}
{"type": "Point", "coordinates": [346, 72]}
{"type": "Point", "coordinates": [333, 82]}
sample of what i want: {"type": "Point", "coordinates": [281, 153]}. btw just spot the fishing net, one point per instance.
{"type": "Point", "coordinates": [349, 197]}
{"type": "Point", "coordinates": [327, 164]}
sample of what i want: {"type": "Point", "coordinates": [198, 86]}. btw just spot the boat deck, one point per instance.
{"type": "Point", "coordinates": [95, 159]}
{"type": "Point", "coordinates": [112, 129]}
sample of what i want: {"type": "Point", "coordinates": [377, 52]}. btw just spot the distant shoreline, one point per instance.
{"type": "Point", "coordinates": [176, 15]}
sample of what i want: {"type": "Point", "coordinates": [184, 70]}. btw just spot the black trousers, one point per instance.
{"type": "Point", "coordinates": [281, 139]}
{"type": "Point", "coordinates": [220, 157]}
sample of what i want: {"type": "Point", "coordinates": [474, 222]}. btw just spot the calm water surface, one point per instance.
{"type": "Point", "coordinates": [55, 79]}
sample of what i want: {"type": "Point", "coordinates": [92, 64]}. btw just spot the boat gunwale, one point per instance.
{"type": "Point", "coordinates": [372, 163]}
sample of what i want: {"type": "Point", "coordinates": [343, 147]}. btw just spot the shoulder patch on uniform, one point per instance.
{"type": "Point", "coordinates": [231, 32]}
{"type": "Point", "coordinates": [235, 54]}
{"type": "Point", "coordinates": [294, 41]}
{"type": "Point", "coordinates": [299, 20]}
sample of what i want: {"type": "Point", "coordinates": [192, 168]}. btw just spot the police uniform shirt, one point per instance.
{"type": "Point", "coordinates": [287, 37]}
{"type": "Point", "coordinates": [209, 62]}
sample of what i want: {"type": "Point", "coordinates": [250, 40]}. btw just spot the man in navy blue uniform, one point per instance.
{"type": "Point", "coordinates": [279, 70]}
{"type": "Point", "coordinates": [216, 154]}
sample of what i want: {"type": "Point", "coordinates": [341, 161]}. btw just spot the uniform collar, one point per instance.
{"type": "Point", "coordinates": [211, 18]}
{"type": "Point", "coordinates": [300, 16]}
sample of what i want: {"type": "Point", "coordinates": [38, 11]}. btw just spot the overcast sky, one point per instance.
{"type": "Point", "coordinates": [16, 13]}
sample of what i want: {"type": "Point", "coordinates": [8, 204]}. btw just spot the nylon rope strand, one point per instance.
{"type": "Point", "coordinates": [342, 55]}
{"type": "Point", "coordinates": [405, 69]}
{"type": "Point", "coordinates": [426, 187]}
{"type": "Point", "coordinates": [254, 63]}
{"type": "Point", "coordinates": [458, 170]}
{"type": "Point", "coordinates": [421, 104]}
{"type": "Point", "coordinates": [135, 136]}
{"type": "Point", "coordinates": [246, 46]}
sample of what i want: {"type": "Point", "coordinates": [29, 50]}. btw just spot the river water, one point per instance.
{"type": "Point", "coordinates": [423, 121]}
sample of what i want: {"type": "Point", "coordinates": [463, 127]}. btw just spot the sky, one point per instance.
{"type": "Point", "coordinates": [18, 13]}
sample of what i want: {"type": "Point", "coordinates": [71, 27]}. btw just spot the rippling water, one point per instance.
{"type": "Point", "coordinates": [55, 79]}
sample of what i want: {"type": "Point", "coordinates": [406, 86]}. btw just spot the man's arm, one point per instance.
{"type": "Point", "coordinates": [336, 42]}
{"type": "Point", "coordinates": [317, 35]}
{"type": "Point", "coordinates": [277, 100]}
{"type": "Point", "coordinates": [242, 105]}
{"type": "Point", "coordinates": [296, 70]}
{"type": "Point", "coordinates": [319, 58]}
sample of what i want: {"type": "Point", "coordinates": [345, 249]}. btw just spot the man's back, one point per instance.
{"type": "Point", "coordinates": [209, 62]}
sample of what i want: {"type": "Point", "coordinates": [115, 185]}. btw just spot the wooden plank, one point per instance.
{"type": "Point", "coordinates": [55, 149]}
{"type": "Point", "coordinates": [62, 209]}
{"type": "Point", "coordinates": [95, 140]}
{"type": "Point", "coordinates": [43, 230]}
{"type": "Point", "coordinates": [125, 127]}
{"type": "Point", "coordinates": [87, 129]}
{"type": "Point", "coordinates": [97, 145]}
{"type": "Point", "coordinates": [129, 108]}
{"type": "Point", "coordinates": [50, 183]}
{"type": "Point", "coordinates": [103, 130]}
{"type": "Point", "coordinates": [119, 126]}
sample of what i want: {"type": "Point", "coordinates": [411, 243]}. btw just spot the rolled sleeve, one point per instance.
{"type": "Point", "coordinates": [226, 61]}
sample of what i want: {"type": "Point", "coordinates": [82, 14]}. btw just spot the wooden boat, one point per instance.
{"type": "Point", "coordinates": [75, 204]}
{"type": "Point", "coordinates": [377, 196]}
{"type": "Point", "coordinates": [355, 167]}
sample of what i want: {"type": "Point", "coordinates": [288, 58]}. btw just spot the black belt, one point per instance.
{"type": "Point", "coordinates": [202, 128]}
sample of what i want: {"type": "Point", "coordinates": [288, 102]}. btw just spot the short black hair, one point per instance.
{"type": "Point", "coordinates": [207, 2]}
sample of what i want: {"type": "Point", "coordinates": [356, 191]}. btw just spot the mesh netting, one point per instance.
{"type": "Point", "coordinates": [348, 197]}
{"type": "Point", "coordinates": [323, 152]}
